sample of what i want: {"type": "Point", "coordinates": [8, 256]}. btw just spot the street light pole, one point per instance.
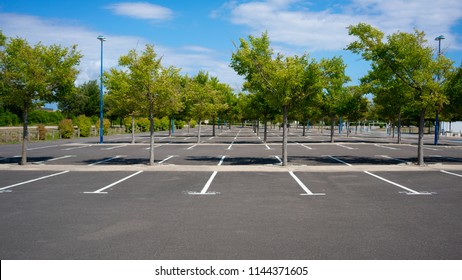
{"type": "Point", "coordinates": [437, 121]}
{"type": "Point", "coordinates": [101, 121]}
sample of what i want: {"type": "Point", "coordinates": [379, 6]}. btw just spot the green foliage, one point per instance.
{"type": "Point", "coordinates": [46, 117]}
{"type": "Point", "coordinates": [84, 124]}
{"type": "Point", "coordinates": [67, 128]}
{"type": "Point", "coordinates": [192, 123]}
{"type": "Point", "coordinates": [84, 100]}
{"type": "Point", "coordinates": [8, 119]}
{"type": "Point", "coordinates": [106, 126]}
{"type": "Point", "coordinates": [142, 124]}
{"type": "Point", "coordinates": [179, 124]}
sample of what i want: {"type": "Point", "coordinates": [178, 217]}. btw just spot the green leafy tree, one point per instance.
{"type": "Point", "coordinates": [32, 75]}
{"type": "Point", "coordinates": [409, 58]}
{"type": "Point", "coordinates": [284, 79]}
{"type": "Point", "coordinates": [334, 79]}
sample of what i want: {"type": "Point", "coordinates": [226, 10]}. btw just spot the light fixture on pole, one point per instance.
{"type": "Point", "coordinates": [101, 121]}
{"type": "Point", "coordinates": [437, 121]}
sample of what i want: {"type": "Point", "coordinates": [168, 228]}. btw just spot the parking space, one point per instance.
{"type": "Point", "coordinates": [229, 198]}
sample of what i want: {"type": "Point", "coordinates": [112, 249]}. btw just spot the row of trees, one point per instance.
{"type": "Point", "coordinates": [405, 77]}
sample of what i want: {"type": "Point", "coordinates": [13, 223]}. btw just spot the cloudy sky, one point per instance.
{"type": "Point", "coordinates": [199, 35]}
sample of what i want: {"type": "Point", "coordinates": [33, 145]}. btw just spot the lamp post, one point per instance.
{"type": "Point", "coordinates": [437, 122]}
{"type": "Point", "coordinates": [101, 121]}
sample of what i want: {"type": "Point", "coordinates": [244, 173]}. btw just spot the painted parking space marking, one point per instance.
{"type": "Point", "coordinates": [53, 159]}
{"type": "Point", "coordinates": [33, 180]}
{"type": "Point", "coordinates": [339, 160]}
{"type": "Point", "coordinates": [386, 147]}
{"type": "Point", "coordinates": [267, 147]}
{"type": "Point", "coordinates": [165, 159]}
{"type": "Point", "coordinates": [105, 160]}
{"type": "Point", "coordinates": [450, 173]}
{"type": "Point", "coordinates": [206, 187]}
{"type": "Point", "coordinates": [44, 147]}
{"type": "Point", "coordinates": [155, 146]}
{"type": "Point", "coordinates": [396, 159]}
{"type": "Point", "coordinates": [101, 191]}
{"type": "Point", "coordinates": [409, 191]}
{"type": "Point", "coordinates": [304, 188]}
{"type": "Point", "coordinates": [346, 147]}
{"type": "Point", "coordinates": [76, 148]}
{"type": "Point", "coordinates": [192, 147]}
{"type": "Point", "coordinates": [115, 147]}
{"type": "Point", "coordinates": [279, 159]}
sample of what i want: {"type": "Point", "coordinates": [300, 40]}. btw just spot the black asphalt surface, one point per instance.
{"type": "Point", "coordinates": [369, 202]}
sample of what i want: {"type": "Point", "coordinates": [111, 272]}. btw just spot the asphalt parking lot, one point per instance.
{"type": "Point", "coordinates": [229, 198]}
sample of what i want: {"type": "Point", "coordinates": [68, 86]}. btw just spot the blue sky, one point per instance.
{"type": "Point", "coordinates": [199, 35]}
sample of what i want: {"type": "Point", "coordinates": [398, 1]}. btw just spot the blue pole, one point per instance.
{"type": "Point", "coordinates": [101, 120]}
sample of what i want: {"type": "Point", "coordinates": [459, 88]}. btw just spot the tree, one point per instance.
{"type": "Point", "coordinates": [123, 97]}
{"type": "Point", "coordinates": [31, 75]}
{"type": "Point", "coordinates": [283, 79]}
{"type": "Point", "coordinates": [84, 100]}
{"type": "Point", "coordinates": [143, 72]}
{"type": "Point", "coordinates": [354, 105]}
{"type": "Point", "coordinates": [412, 61]}
{"type": "Point", "coordinates": [203, 98]}
{"type": "Point", "coordinates": [334, 78]}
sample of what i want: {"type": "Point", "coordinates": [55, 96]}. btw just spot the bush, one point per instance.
{"type": "Point", "coordinates": [45, 117]}
{"type": "Point", "coordinates": [106, 126]}
{"type": "Point", "coordinates": [42, 132]}
{"type": "Point", "coordinates": [161, 124]}
{"type": "Point", "coordinates": [179, 124]}
{"type": "Point", "coordinates": [67, 128]}
{"type": "Point", "coordinates": [84, 124]}
{"type": "Point", "coordinates": [192, 123]}
{"type": "Point", "coordinates": [8, 119]}
{"type": "Point", "coordinates": [142, 124]}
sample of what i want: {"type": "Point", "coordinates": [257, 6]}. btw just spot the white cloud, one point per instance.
{"type": "Point", "coordinates": [141, 10]}
{"type": "Point", "coordinates": [295, 22]}
{"type": "Point", "coordinates": [190, 58]}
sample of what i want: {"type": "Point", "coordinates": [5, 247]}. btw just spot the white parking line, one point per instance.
{"type": "Point", "coordinates": [339, 160]}
{"type": "Point", "coordinates": [54, 159]}
{"type": "Point", "coordinates": [410, 191]}
{"type": "Point", "coordinates": [304, 188]}
{"type": "Point", "coordinates": [44, 147]}
{"type": "Point", "coordinates": [103, 161]}
{"type": "Point", "coordinates": [267, 147]}
{"type": "Point", "coordinates": [279, 159]}
{"type": "Point", "coordinates": [346, 147]}
{"type": "Point", "coordinates": [189, 148]}
{"type": "Point", "coordinates": [165, 159]}
{"type": "Point", "coordinates": [397, 159]}
{"type": "Point", "coordinates": [386, 147]}
{"type": "Point", "coordinates": [33, 180]}
{"type": "Point", "coordinates": [75, 148]}
{"type": "Point", "coordinates": [209, 182]}
{"type": "Point", "coordinates": [115, 147]}
{"type": "Point", "coordinates": [100, 191]}
{"type": "Point", "coordinates": [450, 173]}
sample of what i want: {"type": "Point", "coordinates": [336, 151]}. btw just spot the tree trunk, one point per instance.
{"type": "Point", "coordinates": [151, 134]}
{"type": "Point", "coordinates": [420, 150]}
{"type": "Point", "coordinates": [265, 133]}
{"type": "Point", "coordinates": [25, 134]}
{"type": "Point", "coordinates": [332, 119]}
{"type": "Point", "coordinates": [348, 128]}
{"type": "Point", "coordinates": [133, 129]}
{"type": "Point", "coordinates": [213, 129]}
{"type": "Point", "coordinates": [199, 132]}
{"type": "Point", "coordinates": [284, 136]}
{"type": "Point", "coordinates": [399, 127]}
{"type": "Point", "coordinates": [304, 128]}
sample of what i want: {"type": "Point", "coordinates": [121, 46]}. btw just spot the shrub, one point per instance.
{"type": "Point", "coordinates": [67, 128]}
{"type": "Point", "coordinates": [8, 119]}
{"type": "Point", "coordinates": [106, 126]}
{"type": "Point", "coordinates": [179, 124]}
{"type": "Point", "coordinates": [84, 124]}
{"type": "Point", "coordinates": [42, 132]}
{"type": "Point", "coordinates": [142, 124]}
{"type": "Point", "coordinates": [192, 123]}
